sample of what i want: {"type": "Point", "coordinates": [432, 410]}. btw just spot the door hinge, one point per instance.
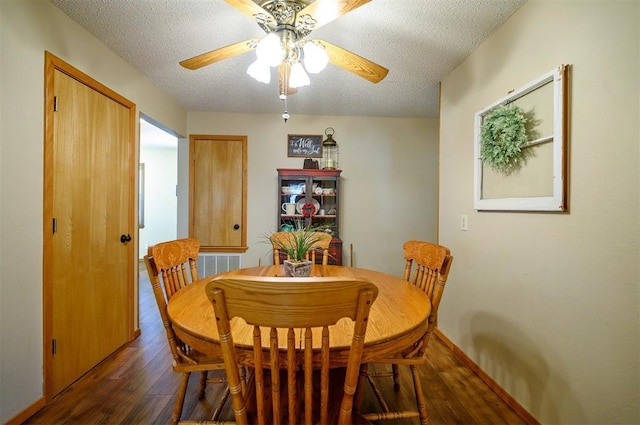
{"type": "Point", "coordinates": [55, 225]}
{"type": "Point", "coordinates": [54, 346]}
{"type": "Point", "coordinates": [55, 103]}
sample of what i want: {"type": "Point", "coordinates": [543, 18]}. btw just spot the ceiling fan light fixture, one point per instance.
{"type": "Point", "coordinates": [315, 57]}
{"type": "Point", "coordinates": [298, 77]}
{"type": "Point", "coordinates": [260, 71]}
{"type": "Point", "coordinates": [288, 23]}
{"type": "Point", "coordinates": [269, 50]}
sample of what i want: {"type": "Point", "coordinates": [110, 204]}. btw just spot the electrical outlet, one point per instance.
{"type": "Point", "coordinates": [463, 222]}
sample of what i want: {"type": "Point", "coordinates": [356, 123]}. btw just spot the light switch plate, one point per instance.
{"type": "Point", "coordinates": [463, 222]}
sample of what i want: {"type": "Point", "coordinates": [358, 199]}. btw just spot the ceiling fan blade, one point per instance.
{"type": "Point", "coordinates": [283, 80]}
{"type": "Point", "coordinates": [220, 54]}
{"type": "Point", "coordinates": [248, 7]}
{"type": "Point", "coordinates": [325, 11]}
{"type": "Point", "coordinates": [354, 63]}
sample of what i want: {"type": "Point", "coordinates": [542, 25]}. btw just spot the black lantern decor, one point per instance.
{"type": "Point", "coordinates": [329, 151]}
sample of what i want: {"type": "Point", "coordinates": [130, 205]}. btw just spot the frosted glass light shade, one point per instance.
{"type": "Point", "coordinates": [269, 50]}
{"type": "Point", "coordinates": [315, 57]}
{"type": "Point", "coordinates": [298, 78]}
{"type": "Point", "coordinates": [260, 71]}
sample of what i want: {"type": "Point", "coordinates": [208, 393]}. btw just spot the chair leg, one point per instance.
{"type": "Point", "coordinates": [386, 414]}
{"type": "Point", "coordinates": [357, 398]}
{"type": "Point", "coordinates": [220, 405]}
{"type": "Point", "coordinates": [245, 377]}
{"type": "Point", "coordinates": [396, 377]}
{"type": "Point", "coordinates": [202, 384]}
{"type": "Point", "coordinates": [182, 390]}
{"type": "Point", "coordinates": [420, 399]}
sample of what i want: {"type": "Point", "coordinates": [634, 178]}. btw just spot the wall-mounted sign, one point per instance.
{"type": "Point", "coordinates": [304, 146]}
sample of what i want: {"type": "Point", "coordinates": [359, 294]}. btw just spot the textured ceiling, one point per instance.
{"type": "Point", "coordinates": [419, 41]}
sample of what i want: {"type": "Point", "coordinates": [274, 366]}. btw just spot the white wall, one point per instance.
{"type": "Point", "coordinates": [27, 29]}
{"type": "Point", "coordinates": [388, 187]}
{"type": "Point", "coordinates": [547, 303]}
{"type": "Point", "coordinates": [160, 199]}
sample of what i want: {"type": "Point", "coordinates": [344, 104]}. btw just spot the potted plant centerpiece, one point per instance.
{"type": "Point", "coordinates": [298, 244]}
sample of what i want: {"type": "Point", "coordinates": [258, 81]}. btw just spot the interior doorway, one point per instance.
{"type": "Point", "coordinates": [158, 185]}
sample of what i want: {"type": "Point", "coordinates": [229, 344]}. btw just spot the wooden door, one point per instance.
{"type": "Point", "coordinates": [217, 190]}
{"type": "Point", "coordinates": [89, 178]}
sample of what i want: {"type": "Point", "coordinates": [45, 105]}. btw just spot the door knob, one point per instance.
{"type": "Point", "coordinates": [125, 238]}
{"type": "Point", "coordinates": [236, 226]}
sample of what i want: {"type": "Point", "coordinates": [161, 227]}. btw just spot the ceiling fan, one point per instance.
{"type": "Point", "coordinates": [287, 24]}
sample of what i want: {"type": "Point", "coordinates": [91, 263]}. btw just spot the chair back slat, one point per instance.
{"type": "Point", "coordinates": [292, 370]}
{"type": "Point", "coordinates": [297, 314]}
{"type": "Point", "coordinates": [259, 372]}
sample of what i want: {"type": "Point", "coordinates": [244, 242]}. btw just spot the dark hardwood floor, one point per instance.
{"type": "Point", "coordinates": [136, 385]}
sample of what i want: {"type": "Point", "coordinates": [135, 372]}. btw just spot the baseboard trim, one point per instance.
{"type": "Point", "coordinates": [27, 413]}
{"type": "Point", "coordinates": [493, 385]}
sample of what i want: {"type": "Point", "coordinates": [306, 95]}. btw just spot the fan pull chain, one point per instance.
{"type": "Point", "coordinates": [284, 96]}
{"type": "Point", "coordinates": [285, 115]}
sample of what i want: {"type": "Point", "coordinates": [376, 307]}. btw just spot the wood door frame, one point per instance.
{"type": "Point", "coordinates": [52, 64]}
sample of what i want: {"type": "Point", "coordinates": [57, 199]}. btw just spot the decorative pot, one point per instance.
{"type": "Point", "coordinates": [297, 269]}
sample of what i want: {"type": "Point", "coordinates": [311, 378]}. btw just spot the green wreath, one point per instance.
{"type": "Point", "coordinates": [501, 138]}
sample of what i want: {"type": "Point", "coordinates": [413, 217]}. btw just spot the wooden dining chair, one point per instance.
{"type": "Point", "coordinates": [174, 263]}
{"type": "Point", "coordinates": [427, 266]}
{"type": "Point", "coordinates": [291, 344]}
{"type": "Point", "coordinates": [284, 238]}
{"type": "Point", "coordinates": [323, 243]}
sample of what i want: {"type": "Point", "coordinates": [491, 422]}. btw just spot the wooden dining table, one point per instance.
{"type": "Point", "coordinates": [397, 319]}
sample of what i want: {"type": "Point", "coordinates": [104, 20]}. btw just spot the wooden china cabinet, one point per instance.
{"type": "Point", "coordinates": [312, 195]}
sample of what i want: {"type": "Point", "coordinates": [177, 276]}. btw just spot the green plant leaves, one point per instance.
{"type": "Point", "coordinates": [300, 241]}
{"type": "Point", "coordinates": [502, 136]}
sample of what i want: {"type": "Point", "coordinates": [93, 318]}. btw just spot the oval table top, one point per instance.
{"type": "Point", "coordinates": [397, 319]}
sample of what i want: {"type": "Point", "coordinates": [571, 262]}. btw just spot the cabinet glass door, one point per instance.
{"type": "Point", "coordinates": [325, 196]}
{"type": "Point", "coordinates": [292, 198]}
